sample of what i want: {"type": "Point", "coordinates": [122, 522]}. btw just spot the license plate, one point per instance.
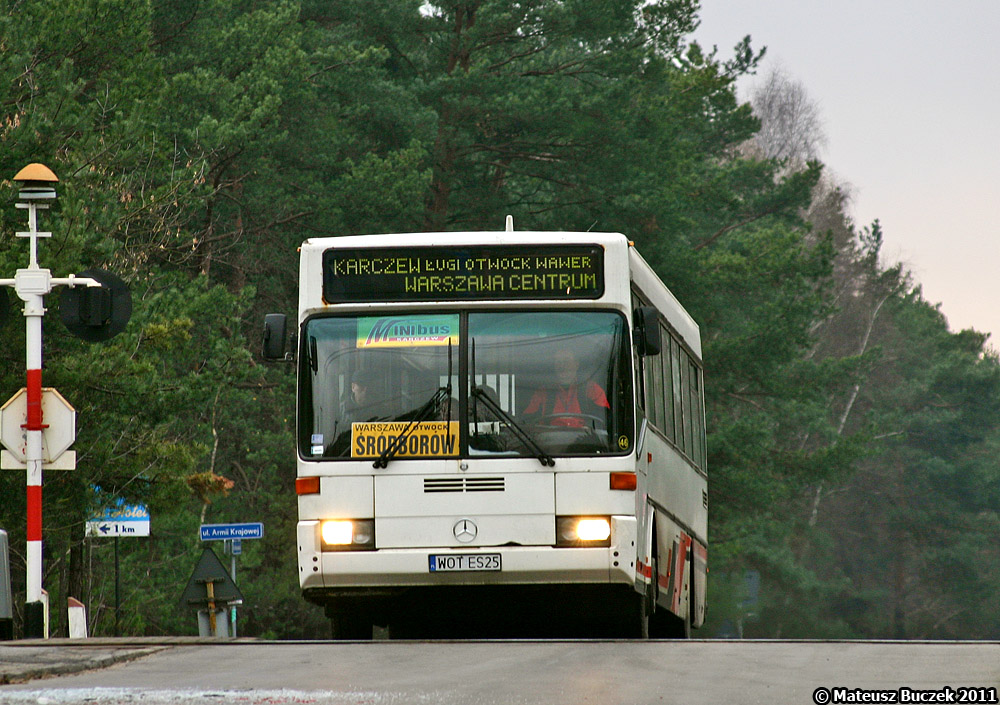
{"type": "Point", "coordinates": [464, 562]}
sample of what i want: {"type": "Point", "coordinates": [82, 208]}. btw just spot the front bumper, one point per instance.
{"type": "Point", "coordinates": [520, 565]}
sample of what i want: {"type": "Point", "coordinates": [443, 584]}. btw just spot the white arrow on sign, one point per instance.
{"type": "Point", "coordinates": [117, 528]}
{"type": "Point", "coordinates": [120, 520]}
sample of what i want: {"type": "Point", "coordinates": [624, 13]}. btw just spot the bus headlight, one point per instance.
{"type": "Point", "coordinates": [583, 531]}
{"type": "Point", "coordinates": [348, 534]}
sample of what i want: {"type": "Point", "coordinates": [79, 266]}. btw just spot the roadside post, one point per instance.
{"type": "Point", "coordinates": [45, 613]}
{"type": "Point", "coordinates": [101, 313]}
{"type": "Point", "coordinates": [6, 600]}
{"type": "Point", "coordinates": [232, 547]}
{"type": "Point", "coordinates": [232, 535]}
{"type": "Point", "coordinates": [77, 616]}
{"type": "Point", "coordinates": [129, 520]}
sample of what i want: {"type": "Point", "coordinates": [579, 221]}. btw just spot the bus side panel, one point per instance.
{"type": "Point", "coordinates": [675, 486]}
{"type": "Point", "coordinates": [673, 567]}
{"type": "Point", "coordinates": [701, 583]}
{"type": "Point", "coordinates": [677, 493]}
{"type": "Point", "coordinates": [675, 571]}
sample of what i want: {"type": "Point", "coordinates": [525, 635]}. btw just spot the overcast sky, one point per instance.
{"type": "Point", "coordinates": [909, 94]}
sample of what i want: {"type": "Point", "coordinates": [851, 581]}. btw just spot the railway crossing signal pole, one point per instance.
{"type": "Point", "coordinates": [31, 285]}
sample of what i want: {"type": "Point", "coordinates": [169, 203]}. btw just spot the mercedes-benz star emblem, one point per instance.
{"type": "Point", "coordinates": [466, 530]}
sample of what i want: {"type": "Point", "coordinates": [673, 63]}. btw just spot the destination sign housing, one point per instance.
{"type": "Point", "coordinates": [463, 272]}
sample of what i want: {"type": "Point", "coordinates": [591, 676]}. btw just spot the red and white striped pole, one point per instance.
{"type": "Point", "coordinates": [32, 284]}
{"type": "Point", "coordinates": [33, 311]}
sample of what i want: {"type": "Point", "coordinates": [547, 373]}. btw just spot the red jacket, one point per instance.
{"type": "Point", "coordinates": [566, 400]}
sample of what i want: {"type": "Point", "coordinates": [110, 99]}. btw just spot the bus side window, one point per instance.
{"type": "Point", "coordinates": [640, 388]}
{"type": "Point", "coordinates": [654, 391]}
{"type": "Point", "coordinates": [668, 388]}
{"type": "Point", "coordinates": [675, 364]}
{"type": "Point", "coordinates": [689, 422]}
{"type": "Point", "coordinates": [697, 416]}
{"type": "Point", "coordinates": [638, 364]}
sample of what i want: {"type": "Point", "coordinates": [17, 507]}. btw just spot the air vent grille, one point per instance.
{"type": "Point", "coordinates": [463, 484]}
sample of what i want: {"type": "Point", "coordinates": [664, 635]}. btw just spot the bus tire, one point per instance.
{"type": "Point", "coordinates": [649, 616]}
{"type": "Point", "coordinates": [644, 619]}
{"type": "Point", "coordinates": [661, 623]}
{"type": "Point", "coordinates": [647, 612]}
{"type": "Point", "coordinates": [668, 625]}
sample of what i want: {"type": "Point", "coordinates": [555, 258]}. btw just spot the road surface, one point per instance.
{"type": "Point", "coordinates": [529, 673]}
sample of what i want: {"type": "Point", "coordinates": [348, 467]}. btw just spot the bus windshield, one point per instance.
{"type": "Point", "coordinates": [560, 377]}
{"type": "Point", "coordinates": [533, 384]}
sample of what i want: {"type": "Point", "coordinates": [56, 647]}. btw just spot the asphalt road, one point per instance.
{"type": "Point", "coordinates": [498, 673]}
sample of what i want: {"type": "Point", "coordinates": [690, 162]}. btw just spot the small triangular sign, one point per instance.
{"type": "Point", "coordinates": [210, 569]}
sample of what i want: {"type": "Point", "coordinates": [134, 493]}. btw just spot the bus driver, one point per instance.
{"type": "Point", "coordinates": [565, 402]}
{"type": "Point", "coordinates": [361, 404]}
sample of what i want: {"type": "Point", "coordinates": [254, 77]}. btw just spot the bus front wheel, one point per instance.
{"type": "Point", "coordinates": [656, 622]}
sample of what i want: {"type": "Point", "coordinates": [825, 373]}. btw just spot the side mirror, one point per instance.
{"type": "Point", "coordinates": [275, 328]}
{"type": "Point", "coordinates": [646, 322]}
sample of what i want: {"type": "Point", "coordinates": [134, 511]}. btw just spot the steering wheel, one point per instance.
{"type": "Point", "coordinates": [583, 421]}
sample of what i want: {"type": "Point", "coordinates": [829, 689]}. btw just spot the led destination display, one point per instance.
{"type": "Point", "coordinates": [456, 273]}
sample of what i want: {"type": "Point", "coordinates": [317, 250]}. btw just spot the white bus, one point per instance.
{"type": "Point", "coordinates": [490, 421]}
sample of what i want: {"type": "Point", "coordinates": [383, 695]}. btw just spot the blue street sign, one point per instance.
{"type": "Point", "coordinates": [237, 546]}
{"type": "Point", "coordinates": [221, 532]}
{"type": "Point", "coordinates": [120, 520]}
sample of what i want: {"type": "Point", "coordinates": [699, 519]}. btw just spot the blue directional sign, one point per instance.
{"type": "Point", "coordinates": [222, 532]}
{"type": "Point", "coordinates": [120, 520]}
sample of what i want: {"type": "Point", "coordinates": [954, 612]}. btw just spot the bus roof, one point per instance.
{"type": "Point", "coordinates": [488, 237]}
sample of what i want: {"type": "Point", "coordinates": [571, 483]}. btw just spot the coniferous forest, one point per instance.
{"type": "Point", "coordinates": [852, 435]}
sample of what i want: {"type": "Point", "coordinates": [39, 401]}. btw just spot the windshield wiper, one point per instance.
{"type": "Point", "coordinates": [423, 412]}
{"type": "Point", "coordinates": [544, 458]}
{"type": "Point", "coordinates": [478, 392]}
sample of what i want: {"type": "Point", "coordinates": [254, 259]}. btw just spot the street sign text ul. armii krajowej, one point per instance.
{"type": "Point", "coordinates": [224, 532]}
